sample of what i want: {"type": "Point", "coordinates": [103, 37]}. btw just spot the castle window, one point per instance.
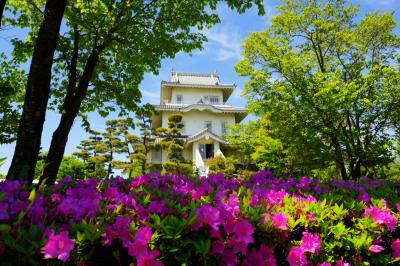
{"type": "Point", "coordinates": [179, 98]}
{"type": "Point", "coordinates": [208, 125]}
{"type": "Point", "coordinates": [214, 99]}
{"type": "Point", "coordinates": [223, 127]}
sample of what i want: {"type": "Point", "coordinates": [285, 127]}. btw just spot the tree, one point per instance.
{"type": "Point", "coordinates": [2, 5]}
{"type": "Point", "coordinates": [108, 47]}
{"type": "Point", "coordinates": [146, 140]}
{"type": "Point", "coordinates": [37, 91]}
{"type": "Point", "coordinates": [12, 81]}
{"type": "Point", "coordinates": [241, 137]}
{"type": "Point", "coordinates": [111, 143]}
{"type": "Point", "coordinates": [172, 141]}
{"type": "Point", "coordinates": [71, 166]}
{"type": "Point", "coordinates": [91, 155]}
{"type": "Point", "coordinates": [328, 84]}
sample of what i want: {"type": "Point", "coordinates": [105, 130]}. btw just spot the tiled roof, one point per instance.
{"type": "Point", "coordinates": [202, 133]}
{"type": "Point", "coordinates": [183, 107]}
{"type": "Point", "coordinates": [202, 79]}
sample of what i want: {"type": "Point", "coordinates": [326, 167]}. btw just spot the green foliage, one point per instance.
{"type": "Point", "coordinates": [131, 38]}
{"type": "Point", "coordinates": [327, 85]}
{"type": "Point", "coordinates": [219, 164]}
{"type": "Point", "coordinates": [241, 138]}
{"type": "Point", "coordinates": [89, 154]}
{"type": "Point", "coordinates": [70, 166]}
{"type": "Point", "coordinates": [12, 81]}
{"type": "Point", "coordinates": [73, 167]}
{"type": "Point", "coordinates": [172, 141]}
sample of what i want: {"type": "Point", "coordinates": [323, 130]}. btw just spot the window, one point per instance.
{"type": "Point", "coordinates": [214, 99]}
{"type": "Point", "coordinates": [223, 127]}
{"type": "Point", "coordinates": [179, 98]}
{"type": "Point", "coordinates": [208, 125]}
{"type": "Point", "coordinates": [156, 156]}
{"type": "Point", "coordinates": [183, 130]}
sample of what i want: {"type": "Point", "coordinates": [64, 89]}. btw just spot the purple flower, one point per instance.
{"type": "Point", "coordinates": [244, 231]}
{"type": "Point", "coordinates": [207, 215]}
{"type": "Point", "coordinates": [264, 256]}
{"type": "Point", "coordinates": [58, 246]}
{"type": "Point", "coordinates": [310, 242]}
{"type": "Point", "coordinates": [3, 211]}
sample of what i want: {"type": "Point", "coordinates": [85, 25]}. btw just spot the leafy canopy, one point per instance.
{"type": "Point", "coordinates": [327, 83]}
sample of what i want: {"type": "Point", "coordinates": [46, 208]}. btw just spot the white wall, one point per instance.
{"type": "Point", "coordinates": [193, 95]}
{"type": "Point", "coordinates": [195, 120]}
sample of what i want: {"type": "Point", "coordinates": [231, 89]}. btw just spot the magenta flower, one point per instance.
{"type": "Point", "coordinates": [218, 246]}
{"type": "Point", "coordinates": [264, 256]}
{"type": "Point", "coordinates": [396, 248]}
{"type": "Point", "coordinates": [149, 259]}
{"type": "Point", "coordinates": [324, 264]}
{"type": "Point", "coordinates": [207, 215]}
{"type": "Point", "coordinates": [279, 221]}
{"type": "Point", "coordinates": [310, 242]}
{"type": "Point", "coordinates": [139, 245]}
{"type": "Point", "coordinates": [243, 231]}
{"type": "Point", "coordinates": [297, 257]}
{"type": "Point", "coordinates": [58, 246]}
{"type": "Point", "coordinates": [375, 248]}
{"type": "Point", "coordinates": [381, 217]}
{"type": "Point", "coordinates": [341, 262]}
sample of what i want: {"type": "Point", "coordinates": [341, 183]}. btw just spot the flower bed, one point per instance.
{"type": "Point", "coordinates": [171, 220]}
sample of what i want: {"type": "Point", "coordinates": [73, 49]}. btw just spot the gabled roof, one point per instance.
{"type": "Point", "coordinates": [240, 113]}
{"type": "Point", "coordinates": [197, 80]}
{"type": "Point", "coordinates": [203, 134]}
{"type": "Point", "coordinates": [192, 78]}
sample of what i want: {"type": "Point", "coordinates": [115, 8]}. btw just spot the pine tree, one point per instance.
{"type": "Point", "coordinates": [172, 141]}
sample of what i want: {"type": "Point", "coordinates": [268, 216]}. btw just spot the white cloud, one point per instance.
{"type": "Point", "coordinates": [223, 42]}
{"type": "Point", "coordinates": [149, 94]}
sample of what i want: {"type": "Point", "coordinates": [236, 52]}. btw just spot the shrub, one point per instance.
{"type": "Point", "coordinates": [173, 220]}
{"type": "Point", "coordinates": [220, 164]}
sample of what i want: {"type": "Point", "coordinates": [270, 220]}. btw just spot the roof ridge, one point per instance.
{"type": "Point", "coordinates": [196, 74]}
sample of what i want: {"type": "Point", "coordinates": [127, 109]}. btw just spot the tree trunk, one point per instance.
{"type": "Point", "coordinates": [37, 94]}
{"type": "Point", "coordinates": [339, 158]}
{"type": "Point", "coordinates": [2, 5]}
{"type": "Point", "coordinates": [71, 106]}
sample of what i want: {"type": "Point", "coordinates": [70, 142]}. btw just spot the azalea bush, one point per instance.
{"type": "Point", "coordinates": [177, 220]}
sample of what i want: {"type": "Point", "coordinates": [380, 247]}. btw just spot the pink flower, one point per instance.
{"type": "Point", "coordinates": [381, 217]}
{"type": "Point", "coordinates": [310, 217]}
{"type": "Point", "coordinates": [243, 231]}
{"type": "Point", "coordinates": [279, 221]}
{"type": "Point", "coordinates": [297, 257]}
{"type": "Point", "coordinates": [324, 264]}
{"type": "Point", "coordinates": [310, 242]}
{"type": "Point", "coordinates": [396, 248]}
{"type": "Point", "coordinates": [149, 259]}
{"type": "Point", "coordinates": [58, 246]}
{"type": "Point", "coordinates": [375, 248]}
{"type": "Point", "coordinates": [342, 263]}
{"type": "Point", "coordinates": [139, 245]}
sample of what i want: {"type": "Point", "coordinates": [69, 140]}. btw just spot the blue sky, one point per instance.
{"type": "Point", "coordinates": [220, 54]}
